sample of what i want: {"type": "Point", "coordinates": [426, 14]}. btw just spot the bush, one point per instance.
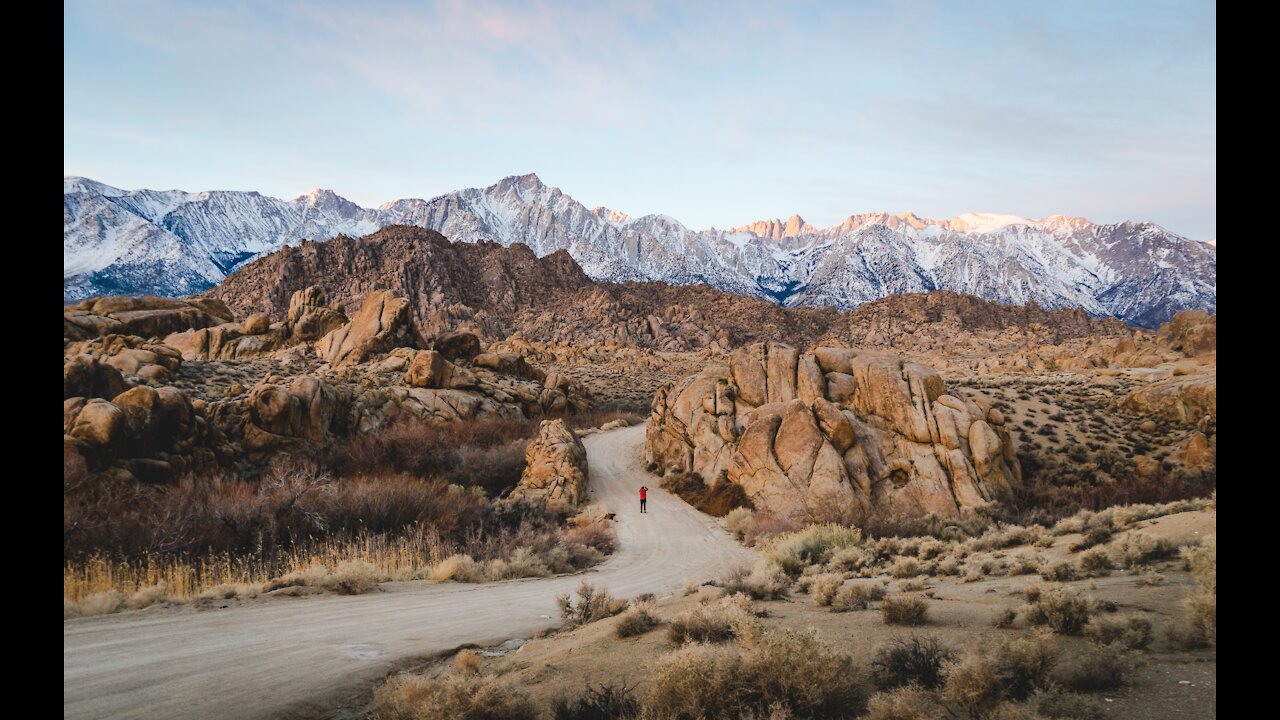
{"type": "Point", "coordinates": [1096, 562]}
{"type": "Point", "coordinates": [1133, 633]}
{"type": "Point", "coordinates": [905, 568]}
{"type": "Point", "coordinates": [1064, 610]}
{"type": "Point", "coordinates": [1004, 618]}
{"type": "Point", "coordinates": [1202, 561]}
{"type": "Point", "coordinates": [637, 620]}
{"type": "Point", "coordinates": [1139, 549]}
{"type": "Point", "coordinates": [771, 675]}
{"type": "Point", "coordinates": [824, 588]}
{"type": "Point", "coordinates": [1060, 572]}
{"type": "Point", "coordinates": [352, 577]}
{"type": "Point", "coordinates": [737, 521]}
{"type": "Point", "coordinates": [415, 697]}
{"type": "Point", "coordinates": [596, 534]}
{"type": "Point", "coordinates": [593, 604]}
{"type": "Point", "coordinates": [607, 703]}
{"type": "Point", "coordinates": [856, 596]}
{"type": "Point", "coordinates": [458, 568]}
{"type": "Point", "coordinates": [1056, 703]}
{"type": "Point", "coordinates": [812, 546]}
{"type": "Point", "coordinates": [724, 619]}
{"type": "Point", "coordinates": [911, 661]}
{"type": "Point", "coordinates": [1095, 668]}
{"type": "Point", "coordinates": [467, 662]}
{"type": "Point", "coordinates": [905, 610]}
{"type": "Point", "coordinates": [764, 582]}
{"type": "Point", "coordinates": [982, 679]}
{"type": "Point", "coordinates": [1198, 625]}
{"type": "Point", "coordinates": [904, 703]}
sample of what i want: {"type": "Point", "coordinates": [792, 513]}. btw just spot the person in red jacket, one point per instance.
{"type": "Point", "coordinates": [644, 497]}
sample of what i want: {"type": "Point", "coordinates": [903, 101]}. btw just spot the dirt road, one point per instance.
{"type": "Point", "coordinates": [298, 658]}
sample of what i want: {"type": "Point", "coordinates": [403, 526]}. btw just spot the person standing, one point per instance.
{"type": "Point", "coordinates": [644, 498]}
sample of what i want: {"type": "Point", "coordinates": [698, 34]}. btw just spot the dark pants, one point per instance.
{"type": "Point", "coordinates": [642, 502]}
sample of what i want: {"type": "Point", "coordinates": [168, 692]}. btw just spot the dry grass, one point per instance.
{"type": "Point", "coordinates": [467, 662]}
{"type": "Point", "coordinates": [788, 675]}
{"type": "Point", "coordinates": [416, 697]}
{"type": "Point", "coordinates": [905, 610]}
{"type": "Point", "coordinates": [763, 581]}
{"type": "Point", "coordinates": [814, 545]}
{"type": "Point", "coordinates": [724, 619]}
{"type": "Point", "coordinates": [639, 619]}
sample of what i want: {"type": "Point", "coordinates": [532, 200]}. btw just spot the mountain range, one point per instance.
{"type": "Point", "coordinates": [179, 243]}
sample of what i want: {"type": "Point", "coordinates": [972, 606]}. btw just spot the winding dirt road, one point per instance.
{"type": "Point", "coordinates": [300, 658]}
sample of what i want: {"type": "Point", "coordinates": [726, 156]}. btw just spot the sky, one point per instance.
{"type": "Point", "coordinates": [717, 114]}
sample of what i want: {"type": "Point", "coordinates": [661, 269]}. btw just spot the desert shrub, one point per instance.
{"type": "Point", "coordinates": [1096, 562]}
{"type": "Point", "coordinates": [596, 534]}
{"type": "Point", "coordinates": [102, 603]}
{"type": "Point", "coordinates": [765, 526]}
{"type": "Point", "coordinates": [1058, 572]}
{"type": "Point", "coordinates": [637, 620]}
{"type": "Point", "coordinates": [593, 604]}
{"type": "Point", "coordinates": [905, 568]}
{"type": "Point", "coordinates": [416, 697]}
{"type": "Point", "coordinates": [982, 679]}
{"type": "Point", "coordinates": [905, 610]}
{"type": "Point", "coordinates": [1023, 565]}
{"type": "Point", "coordinates": [1064, 610]}
{"type": "Point", "coordinates": [1197, 627]}
{"type": "Point", "coordinates": [725, 619]}
{"type": "Point", "coordinates": [824, 587]}
{"type": "Point", "coordinates": [904, 703]}
{"type": "Point", "coordinates": [352, 577]}
{"type": "Point", "coordinates": [855, 596]}
{"type": "Point", "coordinates": [910, 661]}
{"type": "Point", "coordinates": [467, 662]}
{"type": "Point", "coordinates": [763, 581]}
{"type": "Point", "coordinates": [1139, 549]}
{"type": "Point", "coordinates": [772, 675]}
{"type": "Point", "coordinates": [1202, 561]}
{"type": "Point", "coordinates": [1093, 536]}
{"type": "Point", "coordinates": [1097, 667]}
{"type": "Point", "coordinates": [813, 545]}
{"type": "Point", "coordinates": [458, 568]}
{"type": "Point", "coordinates": [851, 559]}
{"type": "Point", "coordinates": [1004, 618]}
{"type": "Point", "coordinates": [737, 521]}
{"type": "Point", "coordinates": [1131, 632]}
{"type": "Point", "coordinates": [609, 702]}
{"type": "Point", "coordinates": [1056, 703]}
{"type": "Point", "coordinates": [147, 596]}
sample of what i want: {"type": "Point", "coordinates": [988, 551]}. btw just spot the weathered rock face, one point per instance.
{"type": "Point", "coordinates": [86, 376]}
{"type": "Point", "coordinates": [1186, 399]}
{"type": "Point", "coordinates": [555, 472]}
{"type": "Point", "coordinates": [309, 318]}
{"type": "Point", "coordinates": [385, 322]}
{"type": "Point", "coordinates": [832, 426]}
{"type": "Point", "coordinates": [142, 316]}
{"type": "Point", "coordinates": [1191, 332]}
{"type": "Point", "coordinates": [456, 345]}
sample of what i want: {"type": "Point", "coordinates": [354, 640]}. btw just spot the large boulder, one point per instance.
{"type": "Point", "coordinates": [1185, 398]}
{"type": "Point", "coordinates": [457, 345]}
{"type": "Point", "coordinates": [555, 473]}
{"type": "Point", "coordinates": [85, 376]}
{"type": "Point", "coordinates": [306, 410]}
{"type": "Point", "coordinates": [385, 322]}
{"type": "Point", "coordinates": [805, 434]}
{"type": "Point", "coordinates": [309, 317]}
{"type": "Point", "coordinates": [1191, 332]}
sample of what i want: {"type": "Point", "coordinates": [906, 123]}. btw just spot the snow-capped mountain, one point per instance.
{"type": "Point", "coordinates": [176, 243]}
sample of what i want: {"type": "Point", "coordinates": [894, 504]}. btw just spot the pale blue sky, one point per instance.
{"type": "Point", "coordinates": [714, 113]}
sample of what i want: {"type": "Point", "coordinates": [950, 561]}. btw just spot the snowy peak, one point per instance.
{"type": "Point", "coordinates": [175, 243]}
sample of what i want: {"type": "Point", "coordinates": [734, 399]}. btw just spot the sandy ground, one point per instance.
{"type": "Point", "coordinates": [300, 658]}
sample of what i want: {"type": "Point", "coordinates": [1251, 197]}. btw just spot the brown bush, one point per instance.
{"type": "Point", "coordinates": [905, 610]}
{"type": "Point", "coordinates": [905, 703]}
{"type": "Point", "coordinates": [725, 619]}
{"type": "Point", "coordinates": [982, 679]}
{"type": "Point", "coordinates": [772, 675]}
{"type": "Point", "coordinates": [598, 534]}
{"type": "Point", "coordinates": [1063, 609]}
{"type": "Point", "coordinates": [593, 604]}
{"type": "Point", "coordinates": [910, 661]}
{"type": "Point", "coordinates": [637, 620]}
{"type": "Point", "coordinates": [1094, 668]}
{"type": "Point", "coordinates": [416, 697]}
{"type": "Point", "coordinates": [1131, 632]}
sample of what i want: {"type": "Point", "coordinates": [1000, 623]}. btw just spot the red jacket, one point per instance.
{"type": "Point", "coordinates": [644, 493]}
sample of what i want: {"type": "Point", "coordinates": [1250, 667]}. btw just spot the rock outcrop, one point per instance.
{"type": "Point", "coordinates": [1184, 399]}
{"type": "Point", "coordinates": [555, 472]}
{"type": "Point", "coordinates": [385, 322]}
{"type": "Point", "coordinates": [142, 316]}
{"type": "Point", "coordinates": [307, 320]}
{"type": "Point", "coordinates": [152, 434]}
{"type": "Point", "coordinates": [833, 427]}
